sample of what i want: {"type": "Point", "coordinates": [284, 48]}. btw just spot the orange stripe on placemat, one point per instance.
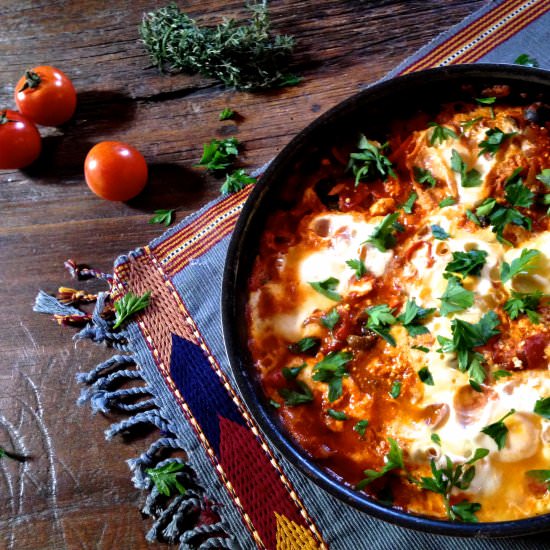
{"type": "Point", "coordinates": [206, 222]}
{"type": "Point", "coordinates": [439, 54]}
{"type": "Point", "coordinates": [526, 18]}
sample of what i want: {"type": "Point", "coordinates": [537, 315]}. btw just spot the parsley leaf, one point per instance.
{"type": "Point", "coordinates": [544, 177]}
{"type": "Point", "coordinates": [290, 373]}
{"type": "Point", "coordinates": [440, 133]}
{"type": "Point", "coordinates": [468, 178]}
{"type": "Point", "coordinates": [486, 207]}
{"type": "Point", "coordinates": [526, 60]}
{"type": "Point", "coordinates": [219, 154]}
{"type": "Point", "coordinates": [501, 373]}
{"type": "Point", "coordinates": [542, 476]}
{"type": "Point", "coordinates": [337, 415]}
{"type": "Point", "coordinates": [494, 139]}
{"type": "Point", "coordinates": [465, 511]}
{"type": "Point", "coordinates": [369, 161]}
{"type": "Point", "coordinates": [469, 123]}
{"type": "Point", "coordinates": [237, 180]}
{"type": "Point", "coordinates": [456, 297]}
{"type": "Point", "coordinates": [498, 430]}
{"type": "Point", "coordinates": [423, 349]}
{"type": "Point", "coordinates": [447, 201]}
{"type": "Point", "coordinates": [408, 205]}
{"type": "Point", "coordinates": [294, 398]}
{"type": "Point", "coordinates": [467, 263]}
{"type": "Point", "coordinates": [436, 439]}
{"type": "Point", "coordinates": [488, 101]}
{"type": "Point", "coordinates": [395, 390]}
{"type": "Point", "coordinates": [327, 288]}
{"type": "Point", "coordinates": [309, 345]}
{"type": "Point", "coordinates": [162, 216]}
{"type": "Point", "coordinates": [383, 236]}
{"type": "Point", "coordinates": [380, 321]}
{"type": "Point", "coordinates": [165, 478]}
{"type": "Point", "coordinates": [524, 263]}
{"type": "Point", "coordinates": [361, 427]}
{"type": "Point", "coordinates": [502, 216]}
{"type": "Point", "coordinates": [331, 370]}
{"type": "Point", "coordinates": [426, 376]}
{"type": "Point", "coordinates": [524, 303]}
{"type": "Point", "coordinates": [422, 175]}
{"type": "Point", "coordinates": [128, 305]}
{"type": "Point", "coordinates": [330, 319]}
{"type": "Point", "coordinates": [359, 266]}
{"type": "Point", "coordinates": [439, 233]}
{"type": "Point", "coordinates": [394, 461]}
{"type": "Point", "coordinates": [518, 194]}
{"type": "Point", "coordinates": [542, 407]}
{"type": "Point", "coordinates": [227, 113]}
{"type": "Point", "coordinates": [412, 316]}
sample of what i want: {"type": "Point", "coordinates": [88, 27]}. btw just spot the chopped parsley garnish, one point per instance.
{"type": "Point", "coordinates": [524, 303]}
{"type": "Point", "coordinates": [331, 370]}
{"type": "Point", "coordinates": [327, 288]}
{"type": "Point", "coordinates": [290, 373]}
{"type": "Point", "coordinates": [408, 205]}
{"type": "Point", "coordinates": [439, 233]}
{"type": "Point", "coordinates": [237, 180]}
{"type": "Point", "coordinates": [380, 321]}
{"type": "Point", "coordinates": [358, 265]}
{"type": "Point", "coordinates": [337, 415]}
{"type": "Point", "coordinates": [162, 216]}
{"type": "Point", "coordinates": [494, 139]}
{"type": "Point", "coordinates": [426, 376]}
{"type": "Point", "coordinates": [394, 461]}
{"type": "Point", "coordinates": [369, 162]}
{"type": "Point", "coordinates": [544, 177]}
{"type": "Point", "coordinates": [542, 476]}
{"type": "Point", "coordinates": [486, 207]}
{"type": "Point", "coordinates": [526, 60]}
{"type": "Point", "coordinates": [542, 407]}
{"type": "Point", "coordinates": [523, 264]}
{"type": "Point", "coordinates": [518, 194]}
{"type": "Point", "coordinates": [422, 175]}
{"type": "Point", "coordinates": [423, 349]}
{"type": "Point", "coordinates": [468, 178]}
{"type": "Point", "coordinates": [497, 430]}
{"type": "Point", "coordinates": [274, 404]}
{"type": "Point", "coordinates": [465, 337]}
{"type": "Point", "coordinates": [330, 319]}
{"type": "Point", "coordinates": [447, 201]}
{"type": "Point", "coordinates": [456, 297]}
{"type": "Point", "coordinates": [467, 263]}
{"type": "Point", "coordinates": [309, 345]}
{"type": "Point", "coordinates": [361, 427]}
{"type": "Point", "coordinates": [294, 398]}
{"type": "Point", "coordinates": [219, 154]}
{"type": "Point", "coordinates": [440, 133]}
{"type": "Point", "coordinates": [383, 236]}
{"type": "Point", "coordinates": [227, 113]}
{"type": "Point", "coordinates": [412, 316]}
{"type": "Point", "coordinates": [488, 101]}
{"type": "Point", "coordinates": [469, 123]}
{"type": "Point", "coordinates": [129, 305]}
{"type": "Point", "coordinates": [395, 390]}
{"type": "Point", "coordinates": [501, 373]}
{"type": "Point", "coordinates": [436, 439]}
{"type": "Point", "coordinates": [451, 475]}
{"type": "Point", "coordinates": [501, 216]}
{"type": "Point", "coordinates": [165, 478]}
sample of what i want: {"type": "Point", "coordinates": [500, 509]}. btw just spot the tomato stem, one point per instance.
{"type": "Point", "coordinates": [32, 80]}
{"type": "Point", "coordinates": [4, 118]}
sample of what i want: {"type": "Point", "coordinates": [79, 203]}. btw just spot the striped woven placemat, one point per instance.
{"type": "Point", "coordinates": [241, 493]}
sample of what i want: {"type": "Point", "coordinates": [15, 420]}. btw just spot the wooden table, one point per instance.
{"type": "Point", "coordinates": [74, 491]}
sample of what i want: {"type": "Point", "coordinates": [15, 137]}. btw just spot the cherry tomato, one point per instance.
{"type": "Point", "coordinates": [46, 96]}
{"type": "Point", "coordinates": [19, 141]}
{"type": "Point", "coordinates": [115, 171]}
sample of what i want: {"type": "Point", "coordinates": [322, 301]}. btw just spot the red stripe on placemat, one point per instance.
{"type": "Point", "coordinates": [465, 36]}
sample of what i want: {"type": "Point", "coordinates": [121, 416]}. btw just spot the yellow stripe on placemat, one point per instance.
{"type": "Point", "coordinates": [291, 536]}
{"type": "Point", "coordinates": [480, 36]}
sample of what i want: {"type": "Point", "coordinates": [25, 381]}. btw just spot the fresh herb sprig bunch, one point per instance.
{"type": "Point", "coordinates": [242, 56]}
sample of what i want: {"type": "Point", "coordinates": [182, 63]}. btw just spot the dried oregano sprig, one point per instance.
{"type": "Point", "coordinates": [246, 57]}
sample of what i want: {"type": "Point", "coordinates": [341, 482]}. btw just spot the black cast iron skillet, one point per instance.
{"type": "Point", "coordinates": [367, 112]}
